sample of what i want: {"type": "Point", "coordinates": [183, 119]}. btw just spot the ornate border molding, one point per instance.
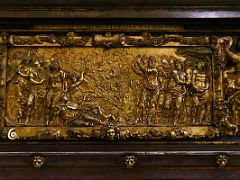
{"type": "Point", "coordinates": [221, 126]}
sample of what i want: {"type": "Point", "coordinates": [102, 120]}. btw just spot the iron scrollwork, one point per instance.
{"type": "Point", "coordinates": [118, 87]}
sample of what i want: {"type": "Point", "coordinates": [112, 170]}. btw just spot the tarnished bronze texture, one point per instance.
{"type": "Point", "coordinates": [38, 161]}
{"type": "Point", "coordinates": [130, 161]}
{"type": "Point", "coordinates": [118, 87]}
{"type": "Point", "coordinates": [222, 161]}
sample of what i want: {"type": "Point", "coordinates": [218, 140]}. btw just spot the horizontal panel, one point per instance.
{"type": "Point", "coordinates": [118, 87]}
{"type": "Point", "coordinates": [121, 161]}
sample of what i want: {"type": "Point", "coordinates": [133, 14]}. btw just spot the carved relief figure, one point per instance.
{"type": "Point", "coordinates": [232, 79]}
{"type": "Point", "coordinates": [189, 92]}
{"type": "Point", "coordinates": [178, 91]}
{"type": "Point", "coordinates": [91, 116]}
{"type": "Point", "coordinates": [165, 73]}
{"type": "Point", "coordinates": [59, 85]}
{"type": "Point", "coordinates": [56, 91]}
{"type": "Point", "coordinates": [150, 93]}
{"type": "Point", "coordinates": [33, 89]}
{"type": "Point", "coordinates": [201, 96]}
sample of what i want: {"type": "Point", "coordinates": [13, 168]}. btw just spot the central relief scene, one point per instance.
{"type": "Point", "coordinates": [86, 87]}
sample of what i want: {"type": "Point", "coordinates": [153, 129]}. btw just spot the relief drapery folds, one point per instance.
{"type": "Point", "coordinates": [119, 87]}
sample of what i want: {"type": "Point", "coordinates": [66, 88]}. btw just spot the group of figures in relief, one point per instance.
{"type": "Point", "coordinates": [44, 91]}
{"type": "Point", "coordinates": [174, 92]}
{"type": "Point", "coordinates": [171, 92]}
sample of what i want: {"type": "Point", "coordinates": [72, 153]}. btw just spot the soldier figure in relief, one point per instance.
{"type": "Point", "coordinates": [178, 90]}
{"type": "Point", "coordinates": [164, 70]}
{"type": "Point", "coordinates": [150, 94]}
{"type": "Point", "coordinates": [201, 102]}
{"type": "Point", "coordinates": [56, 91]}
{"type": "Point", "coordinates": [58, 97]}
{"type": "Point", "coordinates": [232, 79]}
{"type": "Point", "coordinates": [32, 71]}
{"type": "Point", "coordinates": [189, 93]}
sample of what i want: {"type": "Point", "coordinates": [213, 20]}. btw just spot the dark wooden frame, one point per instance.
{"type": "Point", "coordinates": [155, 160]}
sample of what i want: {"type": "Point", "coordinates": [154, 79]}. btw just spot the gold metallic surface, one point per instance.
{"type": "Point", "coordinates": [118, 87]}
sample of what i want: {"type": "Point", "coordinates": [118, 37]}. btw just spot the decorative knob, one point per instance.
{"type": "Point", "coordinates": [38, 161]}
{"type": "Point", "coordinates": [222, 160]}
{"type": "Point", "coordinates": [130, 161]}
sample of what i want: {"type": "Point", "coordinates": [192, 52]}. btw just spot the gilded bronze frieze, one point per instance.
{"type": "Point", "coordinates": [118, 87]}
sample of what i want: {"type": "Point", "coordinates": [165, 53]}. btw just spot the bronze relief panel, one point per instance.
{"type": "Point", "coordinates": [118, 87]}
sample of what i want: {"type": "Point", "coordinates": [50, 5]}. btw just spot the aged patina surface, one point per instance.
{"type": "Point", "coordinates": [118, 86]}
{"type": "Point", "coordinates": [60, 126]}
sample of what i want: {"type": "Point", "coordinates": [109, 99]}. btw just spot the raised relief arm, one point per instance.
{"type": "Point", "coordinates": [65, 85]}
{"type": "Point", "coordinates": [64, 79]}
{"type": "Point", "coordinates": [177, 79]}
{"type": "Point", "coordinates": [189, 76]}
{"type": "Point", "coordinates": [75, 84]}
{"type": "Point", "coordinates": [36, 82]}
{"type": "Point", "coordinates": [24, 74]}
{"type": "Point", "coordinates": [141, 65]}
{"type": "Point", "coordinates": [228, 71]}
{"type": "Point", "coordinates": [235, 57]}
{"type": "Point", "coordinates": [138, 65]}
{"type": "Point", "coordinates": [161, 74]}
{"type": "Point", "coordinates": [206, 87]}
{"type": "Point", "coordinates": [31, 77]}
